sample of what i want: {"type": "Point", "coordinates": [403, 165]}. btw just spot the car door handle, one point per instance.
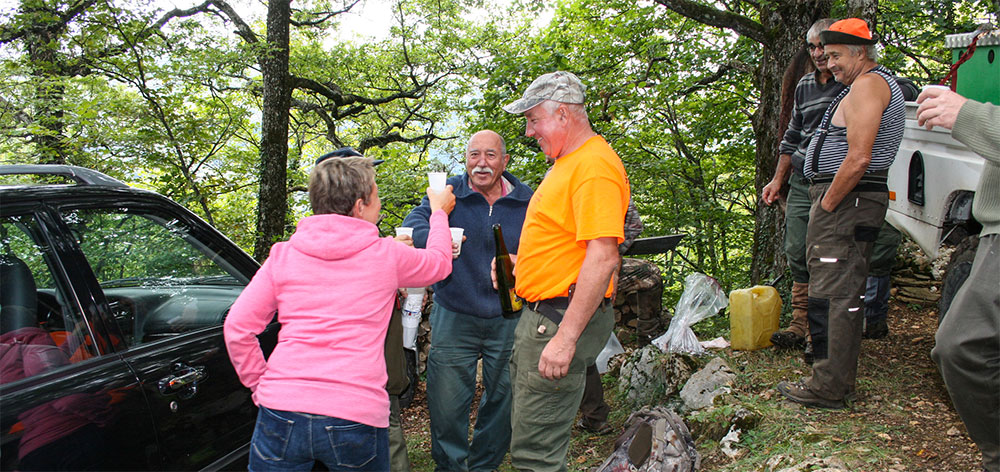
{"type": "Point", "coordinates": [184, 378]}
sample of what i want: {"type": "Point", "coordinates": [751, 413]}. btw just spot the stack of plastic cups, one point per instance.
{"type": "Point", "coordinates": [411, 316]}
{"type": "Point", "coordinates": [411, 306]}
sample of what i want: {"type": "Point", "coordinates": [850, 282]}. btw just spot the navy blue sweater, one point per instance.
{"type": "Point", "coordinates": [469, 288]}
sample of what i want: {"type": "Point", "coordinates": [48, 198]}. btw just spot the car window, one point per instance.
{"type": "Point", "coordinates": [40, 329]}
{"type": "Point", "coordinates": [158, 278]}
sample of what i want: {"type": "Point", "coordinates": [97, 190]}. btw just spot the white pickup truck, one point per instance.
{"type": "Point", "coordinates": [932, 185]}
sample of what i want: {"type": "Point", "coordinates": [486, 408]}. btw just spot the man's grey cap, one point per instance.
{"type": "Point", "coordinates": [560, 86]}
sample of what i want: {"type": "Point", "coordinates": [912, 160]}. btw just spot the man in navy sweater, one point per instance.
{"type": "Point", "coordinates": [466, 321]}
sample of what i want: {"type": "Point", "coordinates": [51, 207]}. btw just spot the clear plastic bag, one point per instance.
{"type": "Point", "coordinates": [702, 298]}
{"type": "Point", "coordinates": [611, 348]}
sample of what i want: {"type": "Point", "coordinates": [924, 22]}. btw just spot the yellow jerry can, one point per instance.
{"type": "Point", "coordinates": [753, 317]}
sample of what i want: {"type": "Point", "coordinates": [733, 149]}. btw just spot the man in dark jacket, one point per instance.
{"type": "Point", "coordinates": [466, 321]}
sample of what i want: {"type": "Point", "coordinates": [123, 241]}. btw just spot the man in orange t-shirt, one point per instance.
{"type": "Point", "coordinates": [568, 253]}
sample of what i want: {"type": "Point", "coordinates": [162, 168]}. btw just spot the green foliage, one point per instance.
{"type": "Point", "coordinates": [175, 107]}
{"type": "Point", "coordinates": [687, 146]}
{"type": "Point", "coordinates": [913, 32]}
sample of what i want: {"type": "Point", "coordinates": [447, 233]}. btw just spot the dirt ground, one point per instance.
{"type": "Point", "coordinates": [900, 395]}
{"type": "Point", "coordinates": [931, 435]}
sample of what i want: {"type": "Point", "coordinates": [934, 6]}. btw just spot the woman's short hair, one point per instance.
{"type": "Point", "coordinates": [335, 184]}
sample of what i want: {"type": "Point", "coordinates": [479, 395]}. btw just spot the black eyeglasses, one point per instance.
{"type": "Point", "coordinates": [812, 47]}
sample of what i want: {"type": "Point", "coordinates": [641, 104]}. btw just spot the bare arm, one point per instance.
{"type": "Point", "coordinates": [862, 108]}
{"type": "Point", "coordinates": [595, 274]}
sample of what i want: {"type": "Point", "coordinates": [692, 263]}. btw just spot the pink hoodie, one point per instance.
{"type": "Point", "coordinates": [333, 285]}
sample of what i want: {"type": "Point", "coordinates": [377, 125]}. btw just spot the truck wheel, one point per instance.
{"type": "Point", "coordinates": [957, 271]}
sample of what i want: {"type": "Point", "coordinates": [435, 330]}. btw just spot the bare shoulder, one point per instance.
{"type": "Point", "coordinates": [871, 85]}
{"type": "Point", "coordinates": [869, 91]}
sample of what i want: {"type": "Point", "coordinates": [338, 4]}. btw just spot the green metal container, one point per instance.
{"type": "Point", "coordinates": [979, 77]}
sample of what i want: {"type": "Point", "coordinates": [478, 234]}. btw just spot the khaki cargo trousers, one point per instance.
{"type": "Point", "coordinates": [839, 245]}
{"type": "Point", "coordinates": [543, 410]}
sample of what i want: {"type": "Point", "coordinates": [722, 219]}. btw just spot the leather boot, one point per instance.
{"type": "Point", "coordinates": [798, 329]}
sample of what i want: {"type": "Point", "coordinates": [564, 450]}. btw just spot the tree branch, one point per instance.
{"type": "Point", "coordinates": [395, 137]}
{"type": "Point", "coordinates": [705, 81]}
{"type": "Point", "coordinates": [326, 16]}
{"type": "Point", "coordinates": [8, 34]}
{"type": "Point", "coordinates": [242, 28]}
{"type": "Point", "coordinates": [722, 19]}
{"type": "Point", "coordinates": [339, 98]}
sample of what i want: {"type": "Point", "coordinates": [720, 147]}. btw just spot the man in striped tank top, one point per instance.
{"type": "Point", "coordinates": [846, 164]}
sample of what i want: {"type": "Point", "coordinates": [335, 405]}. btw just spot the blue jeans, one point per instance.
{"type": "Point", "coordinates": [457, 342]}
{"type": "Point", "coordinates": [876, 298]}
{"type": "Point", "coordinates": [285, 440]}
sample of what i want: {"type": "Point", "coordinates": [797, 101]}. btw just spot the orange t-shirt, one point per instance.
{"type": "Point", "coordinates": [584, 197]}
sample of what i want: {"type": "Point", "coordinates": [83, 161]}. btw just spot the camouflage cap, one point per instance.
{"type": "Point", "coordinates": [560, 86]}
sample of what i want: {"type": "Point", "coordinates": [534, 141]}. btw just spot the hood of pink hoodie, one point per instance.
{"type": "Point", "coordinates": [333, 237]}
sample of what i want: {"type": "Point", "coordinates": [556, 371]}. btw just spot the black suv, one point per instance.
{"type": "Point", "coordinates": [111, 308]}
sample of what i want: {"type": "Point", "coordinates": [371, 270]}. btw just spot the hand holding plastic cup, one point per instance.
{"type": "Point", "coordinates": [404, 234]}
{"type": "Point", "coordinates": [443, 200]}
{"type": "Point", "coordinates": [923, 91]}
{"type": "Point", "coordinates": [437, 180]}
{"type": "Point", "coordinates": [456, 241]}
{"type": "Point", "coordinates": [939, 106]}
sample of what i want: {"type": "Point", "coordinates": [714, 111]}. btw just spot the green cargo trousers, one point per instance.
{"type": "Point", "coordinates": [399, 461]}
{"type": "Point", "coordinates": [796, 221]}
{"type": "Point", "coordinates": [839, 247]}
{"type": "Point", "coordinates": [543, 410]}
{"type": "Point", "coordinates": [967, 351]}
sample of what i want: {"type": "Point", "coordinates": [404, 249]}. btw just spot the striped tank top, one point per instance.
{"type": "Point", "coordinates": [832, 140]}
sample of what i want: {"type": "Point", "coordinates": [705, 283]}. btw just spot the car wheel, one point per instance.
{"type": "Point", "coordinates": [957, 271]}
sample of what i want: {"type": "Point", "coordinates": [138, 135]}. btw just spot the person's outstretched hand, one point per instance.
{"type": "Point", "coordinates": [443, 200]}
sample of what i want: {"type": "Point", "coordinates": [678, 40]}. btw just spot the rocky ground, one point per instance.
{"type": "Point", "coordinates": [902, 419]}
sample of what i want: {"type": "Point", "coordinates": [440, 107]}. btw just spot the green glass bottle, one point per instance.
{"type": "Point", "coordinates": [510, 303]}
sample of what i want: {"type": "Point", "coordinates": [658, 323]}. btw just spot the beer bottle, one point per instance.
{"type": "Point", "coordinates": [510, 303]}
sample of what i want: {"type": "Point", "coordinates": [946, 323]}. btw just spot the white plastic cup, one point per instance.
{"type": "Point", "coordinates": [414, 299]}
{"type": "Point", "coordinates": [411, 324]}
{"type": "Point", "coordinates": [437, 180]}
{"type": "Point", "coordinates": [456, 240]}
{"type": "Point", "coordinates": [404, 231]}
{"type": "Point", "coordinates": [942, 87]}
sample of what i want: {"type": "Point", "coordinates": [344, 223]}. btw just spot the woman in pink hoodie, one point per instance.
{"type": "Point", "coordinates": [322, 393]}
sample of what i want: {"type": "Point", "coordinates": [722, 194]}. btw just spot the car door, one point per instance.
{"type": "Point", "coordinates": [166, 283]}
{"type": "Point", "coordinates": [67, 400]}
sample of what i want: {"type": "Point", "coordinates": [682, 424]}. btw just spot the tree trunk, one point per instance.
{"type": "Point", "coordinates": [781, 32]}
{"type": "Point", "coordinates": [272, 203]}
{"type": "Point", "coordinates": [41, 44]}
{"type": "Point", "coordinates": [789, 21]}
{"type": "Point", "coordinates": [864, 9]}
